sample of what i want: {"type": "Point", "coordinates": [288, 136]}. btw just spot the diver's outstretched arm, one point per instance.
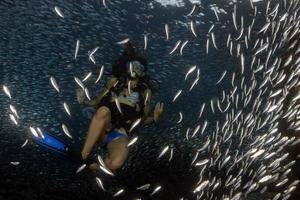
{"type": "Point", "coordinates": [147, 119]}
{"type": "Point", "coordinates": [147, 107]}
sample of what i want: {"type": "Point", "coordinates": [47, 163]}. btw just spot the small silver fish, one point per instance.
{"type": "Point", "coordinates": [144, 187]}
{"type": "Point", "coordinates": [118, 193]}
{"type": "Point", "coordinates": [77, 48]}
{"type": "Point", "coordinates": [104, 3]}
{"type": "Point", "coordinates": [201, 186]}
{"type": "Point", "coordinates": [182, 46]}
{"type": "Point", "coordinates": [80, 168]}
{"type": "Point", "coordinates": [192, 11]}
{"type": "Point", "coordinates": [234, 20]}
{"type": "Point", "coordinates": [171, 154]}
{"type": "Point", "coordinates": [177, 95]}
{"type": "Point", "coordinates": [198, 73]}
{"type": "Point", "coordinates": [24, 144]}
{"type": "Point", "coordinates": [213, 40]}
{"type": "Point", "coordinates": [187, 133]}
{"type": "Point", "coordinates": [204, 127]}
{"type": "Point", "coordinates": [193, 28]}
{"type": "Point", "coordinates": [66, 131]}
{"type": "Point", "coordinates": [67, 109]}
{"type": "Point", "coordinates": [221, 78]}
{"type": "Point", "coordinates": [216, 186]}
{"type": "Point", "coordinates": [145, 41]}
{"type": "Point", "coordinates": [237, 196]}
{"type": "Point", "coordinates": [216, 14]}
{"type": "Point", "coordinates": [282, 182]}
{"type": "Point", "coordinates": [180, 118]}
{"type": "Point", "coordinates": [6, 91]}
{"type": "Point", "coordinates": [39, 131]}
{"type": "Point", "coordinates": [105, 170]}
{"type": "Point", "coordinates": [100, 74]}
{"type": "Point", "coordinates": [201, 111]}
{"type": "Point", "coordinates": [87, 76]}
{"type": "Point", "coordinates": [124, 41]}
{"type": "Point", "coordinates": [175, 47]}
{"type": "Point", "coordinates": [87, 93]}
{"type": "Point", "coordinates": [13, 119]}
{"type": "Point", "coordinates": [265, 27]}
{"type": "Point", "coordinates": [93, 51]}
{"type": "Point", "coordinates": [262, 48]}
{"type": "Point", "coordinates": [167, 31]}
{"type": "Point", "coordinates": [99, 183]}
{"type": "Point", "coordinates": [190, 71]}
{"type": "Point", "coordinates": [15, 163]}
{"type": "Point", "coordinates": [131, 142]}
{"type": "Point", "coordinates": [228, 40]}
{"type": "Point", "coordinates": [131, 69]}
{"type": "Point", "coordinates": [14, 111]}
{"type": "Point", "coordinates": [54, 83]}
{"type": "Point", "coordinates": [155, 190]}
{"type": "Point", "coordinates": [207, 44]}
{"type": "Point", "coordinates": [194, 83]}
{"type": "Point", "coordinates": [117, 102]}
{"type": "Point", "coordinates": [211, 28]}
{"type": "Point", "coordinates": [258, 153]}
{"type": "Point", "coordinates": [79, 83]}
{"type": "Point", "coordinates": [202, 162]}
{"type": "Point", "coordinates": [195, 157]}
{"type": "Point", "coordinates": [33, 131]}
{"type": "Point", "coordinates": [242, 63]}
{"type": "Point", "coordinates": [100, 160]}
{"type": "Point", "coordinates": [276, 197]}
{"type": "Point", "coordinates": [196, 131]}
{"type": "Point", "coordinates": [135, 123]}
{"type": "Point", "coordinates": [58, 12]}
{"type": "Point", "coordinates": [164, 151]}
{"type": "Point", "coordinates": [92, 58]}
{"type": "Point", "coordinates": [146, 98]}
{"type": "Point", "coordinates": [240, 35]}
{"type": "Point", "coordinates": [265, 179]}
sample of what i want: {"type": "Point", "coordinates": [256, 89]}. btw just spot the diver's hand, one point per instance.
{"type": "Point", "coordinates": [80, 95]}
{"type": "Point", "coordinates": [111, 83]}
{"type": "Point", "coordinates": [159, 108]}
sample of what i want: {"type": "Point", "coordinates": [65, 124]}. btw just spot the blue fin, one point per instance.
{"type": "Point", "coordinates": [53, 143]}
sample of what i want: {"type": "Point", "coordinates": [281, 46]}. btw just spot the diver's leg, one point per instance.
{"type": "Point", "coordinates": [97, 129]}
{"type": "Point", "coordinates": [117, 153]}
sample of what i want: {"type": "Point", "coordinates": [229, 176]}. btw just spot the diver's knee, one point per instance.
{"type": "Point", "coordinates": [115, 164]}
{"type": "Point", "coordinates": [103, 113]}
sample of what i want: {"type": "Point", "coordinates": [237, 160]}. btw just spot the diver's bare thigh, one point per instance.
{"type": "Point", "coordinates": [118, 151]}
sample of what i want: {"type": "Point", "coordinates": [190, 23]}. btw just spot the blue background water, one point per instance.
{"type": "Point", "coordinates": [36, 44]}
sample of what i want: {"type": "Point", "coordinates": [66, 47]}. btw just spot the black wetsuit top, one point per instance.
{"type": "Point", "coordinates": [130, 114]}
